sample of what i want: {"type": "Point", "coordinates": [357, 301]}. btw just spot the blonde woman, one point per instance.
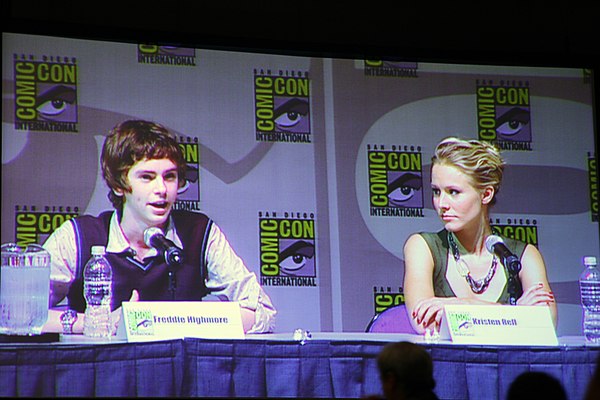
{"type": "Point", "coordinates": [453, 266]}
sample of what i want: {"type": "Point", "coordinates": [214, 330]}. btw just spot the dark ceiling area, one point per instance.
{"type": "Point", "coordinates": [535, 33]}
{"type": "Point", "coordinates": [504, 33]}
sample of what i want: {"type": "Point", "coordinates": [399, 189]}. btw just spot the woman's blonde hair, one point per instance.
{"type": "Point", "coordinates": [479, 160]}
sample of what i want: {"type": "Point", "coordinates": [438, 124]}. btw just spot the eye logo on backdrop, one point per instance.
{"type": "Point", "coordinates": [45, 93]}
{"type": "Point", "coordinates": [400, 69]}
{"type": "Point", "coordinates": [33, 225]}
{"type": "Point", "coordinates": [522, 229]}
{"type": "Point", "coordinates": [282, 106]}
{"type": "Point", "coordinates": [503, 114]}
{"type": "Point", "coordinates": [287, 249]}
{"type": "Point", "coordinates": [188, 197]}
{"type": "Point", "coordinates": [384, 298]}
{"type": "Point", "coordinates": [166, 55]}
{"type": "Point", "coordinates": [395, 181]}
{"type": "Point", "coordinates": [593, 177]}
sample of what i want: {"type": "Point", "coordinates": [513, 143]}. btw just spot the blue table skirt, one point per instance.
{"type": "Point", "coordinates": [272, 368]}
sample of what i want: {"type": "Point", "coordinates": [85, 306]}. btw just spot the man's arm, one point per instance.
{"type": "Point", "coordinates": [63, 258]}
{"type": "Point", "coordinates": [230, 279]}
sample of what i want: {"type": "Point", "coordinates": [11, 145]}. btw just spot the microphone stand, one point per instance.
{"type": "Point", "coordinates": [173, 260]}
{"type": "Point", "coordinates": [513, 265]}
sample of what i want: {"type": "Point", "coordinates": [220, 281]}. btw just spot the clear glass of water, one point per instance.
{"type": "Point", "coordinates": [24, 289]}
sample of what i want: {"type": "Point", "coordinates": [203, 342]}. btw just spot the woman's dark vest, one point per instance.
{"type": "Point", "coordinates": [438, 244]}
{"type": "Point", "coordinates": [153, 282]}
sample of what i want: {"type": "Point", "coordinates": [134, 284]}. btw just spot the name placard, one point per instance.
{"type": "Point", "coordinates": [498, 325]}
{"type": "Point", "coordinates": [144, 321]}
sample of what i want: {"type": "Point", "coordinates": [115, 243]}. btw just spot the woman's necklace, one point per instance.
{"type": "Point", "coordinates": [477, 286]}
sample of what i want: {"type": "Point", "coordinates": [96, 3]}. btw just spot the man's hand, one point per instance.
{"type": "Point", "coordinates": [116, 315]}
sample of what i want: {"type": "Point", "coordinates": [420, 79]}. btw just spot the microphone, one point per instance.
{"type": "Point", "coordinates": [494, 244]}
{"type": "Point", "coordinates": [154, 237]}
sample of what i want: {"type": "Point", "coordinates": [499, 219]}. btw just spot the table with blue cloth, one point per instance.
{"type": "Point", "coordinates": [328, 365]}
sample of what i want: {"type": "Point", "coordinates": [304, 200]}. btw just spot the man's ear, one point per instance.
{"type": "Point", "coordinates": [487, 195]}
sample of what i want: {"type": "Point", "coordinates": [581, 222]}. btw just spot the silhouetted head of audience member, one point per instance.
{"type": "Point", "coordinates": [536, 385]}
{"type": "Point", "coordinates": [406, 371]}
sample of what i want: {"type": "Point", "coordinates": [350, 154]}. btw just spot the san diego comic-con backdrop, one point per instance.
{"type": "Point", "coordinates": [317, 169]}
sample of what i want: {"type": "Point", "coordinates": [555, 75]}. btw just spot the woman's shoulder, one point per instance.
{"type": "Point", "coordinates": [434, 239]}
{"type": "Point", "coordinates": [436, 242]}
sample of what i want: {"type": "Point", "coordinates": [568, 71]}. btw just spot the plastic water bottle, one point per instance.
{"type": "Point", "coordinates": [97, 291]}
{"type": "Point", "coordinates": [589, 284]}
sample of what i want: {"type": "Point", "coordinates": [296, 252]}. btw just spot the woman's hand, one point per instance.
{"type": "Point", "coordinates": [427, 313]}
{"type": "Point", "coordinates": [536, 295]}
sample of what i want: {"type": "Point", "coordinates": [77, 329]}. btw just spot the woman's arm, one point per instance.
{"type": "Point", "coordinates": [418, 282]}
{"type": "Point", "coordinates": [536, 289]}
{"type": "Point", "coordinates": [424, 308]}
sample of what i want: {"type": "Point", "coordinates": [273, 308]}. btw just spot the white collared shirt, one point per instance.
{"type": "Point", "coordinates": [228, 277]}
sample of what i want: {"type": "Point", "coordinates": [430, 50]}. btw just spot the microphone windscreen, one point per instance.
{"type": "Point", "coordinates": [149, 233]}
{"type": "Point", "coordinates": [491, 241]}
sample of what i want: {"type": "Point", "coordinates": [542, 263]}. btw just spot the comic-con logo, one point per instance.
{"type": "Point", "coordinates": [401, 69]}
{"type": "Point", "coordinates": [384, 298]}
{"type": "Point", "coordinates": [139, 322]}
{"type": "Point", "coordinates": [34, 224]}
{"type": "Point", "coordinates": [593, 178]}
{"type": "Point", "coordinates": [522, 229]}
{"type": "Point", "coordinates": [45, 93]}
{"type": "Point", "coordinates": [166, 55]}
{"type": "Point", "coordinates": [395, 181]}
{"type": "Point", "coordinates": [188, 197]}
{"type": "Point", "coordinates": [503, 114]}
{"type": "Point", "coordinates": [461, 323]}
{"type": "Point", "coordinates": [282, 106]}
{"type": "Point", "coordinates": [287, 249]}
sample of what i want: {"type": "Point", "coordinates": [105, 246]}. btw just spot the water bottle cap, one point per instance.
{"type": "Point", "coordinates": [589, 260]}
{"type": "Point", "coordinates": [98, 250]}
